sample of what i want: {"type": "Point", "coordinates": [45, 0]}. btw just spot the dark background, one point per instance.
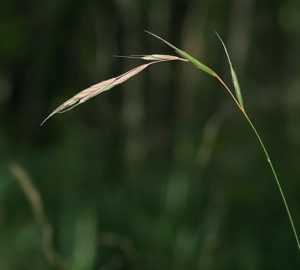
{"type": "Point", "coordinates": [161, 172]}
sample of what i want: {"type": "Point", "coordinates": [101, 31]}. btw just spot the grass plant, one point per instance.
{"type": "Point", "coordinates": [236, 97]}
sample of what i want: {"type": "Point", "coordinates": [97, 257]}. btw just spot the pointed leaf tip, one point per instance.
{"type": "Point", "coordinates": [234, 78]}
{"type": "Point", "coordinates": [163, 40]}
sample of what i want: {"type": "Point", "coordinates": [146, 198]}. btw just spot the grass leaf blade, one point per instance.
{"type": "Point", "coordinates": [234, 78]}
{"type": "Point", "coordinates": [186, 56]}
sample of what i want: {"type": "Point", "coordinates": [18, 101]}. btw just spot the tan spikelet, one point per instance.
{"type": "Point", "coordinates": [98, 88]}
{"type": "Point", "coordinates": [153, 57]}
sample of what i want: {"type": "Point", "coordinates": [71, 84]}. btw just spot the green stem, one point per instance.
{"type": "Point", "coordinates": [239, 103]}
{"type": "Point", "coordinates": [267, 156]}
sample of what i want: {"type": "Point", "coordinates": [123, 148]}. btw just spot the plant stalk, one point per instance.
{"type": "Point", "coordinates": [267, 157]}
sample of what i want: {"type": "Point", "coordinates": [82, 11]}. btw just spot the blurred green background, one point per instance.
{"type": "Point", "coordinates": [161, 172]}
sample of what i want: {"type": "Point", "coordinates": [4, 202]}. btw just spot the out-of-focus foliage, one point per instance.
{"type": "Point", "coordinates": [160, 172]}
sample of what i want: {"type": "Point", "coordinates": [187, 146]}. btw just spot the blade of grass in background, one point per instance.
{"type": "Point", "coordinates": [35, 200]}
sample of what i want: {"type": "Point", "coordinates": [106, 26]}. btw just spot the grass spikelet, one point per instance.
{"type": "Point", "coordinates": [106, 85]}
{"type": "Point", "coordinates": [153, 57]}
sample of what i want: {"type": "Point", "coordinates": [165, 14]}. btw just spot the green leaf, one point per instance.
{"type": "Point", "coordinates": [235, 81]}
{"type": "Point", "coordinates": [187, 56]}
